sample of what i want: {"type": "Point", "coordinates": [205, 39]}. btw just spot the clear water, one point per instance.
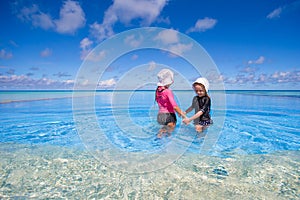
{"type": "Point", "coordinates": [255, 122]}
{"type": "Point", "coordinates": [39, 133]}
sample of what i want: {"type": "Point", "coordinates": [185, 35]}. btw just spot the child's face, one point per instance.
{"type": "Point", "coordinates": [199, 90]}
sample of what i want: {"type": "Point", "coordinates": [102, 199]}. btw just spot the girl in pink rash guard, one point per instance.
{"type": "Point", "coordinates": [166, 103]}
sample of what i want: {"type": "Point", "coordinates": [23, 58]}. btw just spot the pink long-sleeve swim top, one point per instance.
{"type": "Point", "coordinates": [165, 100]}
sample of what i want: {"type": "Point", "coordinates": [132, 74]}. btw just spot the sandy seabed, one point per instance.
{"type": "Point", "coordinates": [51, 172]}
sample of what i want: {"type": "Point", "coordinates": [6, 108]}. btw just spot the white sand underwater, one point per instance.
{"type": "Point", "coordinates": [48, 172]}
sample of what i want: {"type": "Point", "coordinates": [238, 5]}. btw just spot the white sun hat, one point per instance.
{"type": "Point", "coordinates": [165, 77]}
{"type": "Point", "coordinates": [204, 82]}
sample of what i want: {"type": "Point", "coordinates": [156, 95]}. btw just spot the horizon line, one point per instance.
{"type": "Point", "coordinates": [108, 90]}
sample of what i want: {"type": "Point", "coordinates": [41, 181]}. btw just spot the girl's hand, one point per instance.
{"type": "Point", "coordinates": [186, 121]}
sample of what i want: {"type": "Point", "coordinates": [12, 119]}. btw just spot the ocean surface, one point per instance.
{"type": "Point", "coordinates": [103, 145]}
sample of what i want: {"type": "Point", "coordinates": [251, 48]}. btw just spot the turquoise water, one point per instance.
{"type": "Point", "coordinates": [254, 121]}
{"type": "Point", "coordinates": [56, 146]}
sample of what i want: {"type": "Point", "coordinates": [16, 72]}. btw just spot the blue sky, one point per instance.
{"type": "Point", "coordinates": [254, 44]}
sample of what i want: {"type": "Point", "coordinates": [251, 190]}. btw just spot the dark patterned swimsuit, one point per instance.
{"type": "Point", "coordinates": [202, 104]}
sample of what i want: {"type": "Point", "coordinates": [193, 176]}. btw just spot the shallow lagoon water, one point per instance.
{"type": "Point", "coordinates": [256, 155]}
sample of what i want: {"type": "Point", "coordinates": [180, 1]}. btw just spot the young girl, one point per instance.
{"type": "Point", "coordinates": [201, 103]}
{"type": "Point", "coordinates": [166, 103]}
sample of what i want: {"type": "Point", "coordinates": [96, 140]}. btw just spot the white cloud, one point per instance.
{"type": "Point", "coordinates": [46, 52]}
{"type": "Point", "coordinates": [214, 77]}
{"type": "Point", "coordinates": [107, 83]}
{"type": "Point", "coordinates": [203, 25]}
{"type": "Point", "coordinates": [285, 77]}
{"type": "Point", "coordinates": [26, 82]}
{"type": "Point", "coordinates": [84, 82]}
{"type": "Point", "coordinates": [284, 9]}
{"type": "Point", "coordinates": [145, 11]}
{"type": "Point", "coordinates": [85, 43]}
{"type": "Point", "coordinates": [86, 47]}
{"type": "Point", "coordinates": [262, 78]}
{"type": "Point", "coordinates": [259, 61]}
{"type": "Point", "coordinates": [132, 41]}
{"type": "Point", "coordinates": [5, 55]}
{"type": "Point", "coordinates": [68, 82]}
{"type": "Point", "coordinates": [87, 53]}
{"type": "Point", "coordinates": [96, 56]}
{"type": "Point", "coordinates": [164, 20]}
{"type": "Point", "coordinates": [168, 36]}
{"type": "Point", "coordinates": [275, 13]}
{"type": "Point", "coordinates": [71, 18]}
{"type": "Point", "coordinates": [152, 66]}
{"type": "Point", "coordinates": [36, 17]}
{"type": "Point", "coordinates": [101, 31]}
{"type": "Point", "coordinates": [42, 20]}
{"type": "Point", "coordinates": [265, 79]}
{"type": "Point", "coordinates": [248, 70]}
{"type": "Point", "coordinates": [171, 39]}
{"type": "Point", "coordinates": [179, 48]}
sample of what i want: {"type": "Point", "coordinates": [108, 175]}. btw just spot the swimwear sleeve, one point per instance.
{"type": "Point", "coordinates": [205, 104]}
{"type": "Point", "coordinates": [195, 103]}
{"type": "Point", "coordinates": [171, 98]}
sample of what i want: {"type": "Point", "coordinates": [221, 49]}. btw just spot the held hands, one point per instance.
{"type": "Point", "coordinates": [186, 121]}
{"type": "Point", "coordinates": [180, 112]}
{"type": "Point", "coordinates": [183, 115]}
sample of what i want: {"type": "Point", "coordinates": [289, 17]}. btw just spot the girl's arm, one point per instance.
{"type": "Point", "coordinates": [195, 116]}
{"type": "Point", "coordinates": [179, 111]}
{"type": "Point", "coordinates": [189, 109]}
{"type": "Point", "coordinates": [173, 103]}
{"type": "Point", "coordinates": [200, 112]}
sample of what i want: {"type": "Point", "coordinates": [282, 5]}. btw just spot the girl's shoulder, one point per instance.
{"type": "Point", "coordinates": [205, 98]}
{"type": "Point", "coordinates": [167, 90]}
{"type": "Point", "coordinates": [195, 98]}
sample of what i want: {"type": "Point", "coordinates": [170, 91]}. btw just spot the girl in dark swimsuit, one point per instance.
{"type": "Point", "coordinates": [201, 103]}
